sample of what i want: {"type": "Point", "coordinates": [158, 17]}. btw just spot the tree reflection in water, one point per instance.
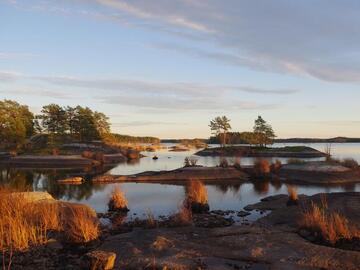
{"type": "Point", "coordinates": [46, 180]}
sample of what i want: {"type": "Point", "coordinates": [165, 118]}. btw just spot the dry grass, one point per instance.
{"type": "Point", "coordinates": [237, 163]}
{"type": "Point", "coordinates": [183, 216]}
{"type": "Point", "coordinates": [197, 192]}
{"type": "Point", "coordinates": [262, 167]}
{"type": "Point", "coordinates": [331, 226]}
{"type": "Point", "coordinates": [150, 219]}
{"type": "Point", "coordinates": [350, 163]}
{"type": "Point", "coordinates": [295, 161]}
{"type": "Point", "coordinates": [80, 224]}
{"type": "Point", "coordinates": [190, 161]}
{"type": "Point", "coordinates": [292, 191]}
{"type": "Point", "coordinates": [223, 163]}
{"type": "Point", "coordinates": [275, 167]}
{"type": "Point", "coordinates": [24, 224]}
{"type": "Point", "coordinates": [118, 200]}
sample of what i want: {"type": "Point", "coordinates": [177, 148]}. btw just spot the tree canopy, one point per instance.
{"type": "Point", "coordinates": [219, 126]}
{"type": "Point", "coordinates": [264, 131]}
{"type": "Point", "coordinates": [16, 124]}
{"type": "Point", "coordinates": [80, 122]}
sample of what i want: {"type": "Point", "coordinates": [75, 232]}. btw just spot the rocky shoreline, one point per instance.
{"type": "Point", "coordinates": [272, 242]}
{"type": "Point", "coordinates": [181, 174]}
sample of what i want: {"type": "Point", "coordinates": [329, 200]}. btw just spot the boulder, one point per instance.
{"type": "Point", "coordinates": [99, 260]}
{"type": "Point", "coordinates": [33, 197]}
{"type": "Point", "coordinates": [71, 180]}
{"type": "Point", "coordinates": [133, 154]}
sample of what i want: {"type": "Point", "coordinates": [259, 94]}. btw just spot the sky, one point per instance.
{"type": "Point", "coordinates": [165, 68]}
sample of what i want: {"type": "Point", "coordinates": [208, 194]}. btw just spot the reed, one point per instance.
{"type": "Point", "coordinates": [118, 200]}
{"type": "Point", "coordinates": [197, 192]}
{"type": "Point", "coordinates": [292, 192]}
{"type": "Point", "coordinates": [24, 223]}
{"type": "Point", "coordinates": [261, 167]}
{"type": "Point", "coordinates": [331, 226]}
{"type": "Point", "coordinates": [80, 224]}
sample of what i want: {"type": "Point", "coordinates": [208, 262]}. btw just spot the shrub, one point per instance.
{"type": "Point", "coordinates": [293, 196]}
{"type": "Point", "coordinates": [118, 200]}
{"type": "Point", "coordinates": [331, 226]}
{"type": "Point", "coordinates": [237, 163]}
{"type": "Point", "coordinates": [197, 192]}
{"type": "Point", "coordinates": [261, 167]}
{"type": "Point", "coordinates": [17, 231]}
{"type": "Point", "coordinates": [223, 163]}
{"type": "Point", "coordinates": [275, 167]}
{"type": "Point", "coordinates": [24, 223]}
{"type": "Point", "coordinates": [190, 161]}
{"type": "Point", "coordinates": [80, 224]}
{"type": "Point", "coordinates": [183, 216]}
{"type": "Point", "coordinates": [88, 154]}
{"type": "Point", "coordinates": [350, 163]}
{"type": "Point", "coordinates": [150, 219]}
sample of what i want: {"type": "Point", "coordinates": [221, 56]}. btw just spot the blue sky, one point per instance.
{"type": "Point", "coordinates": [166, 67]}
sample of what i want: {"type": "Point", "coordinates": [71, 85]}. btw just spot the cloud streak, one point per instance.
{"type": "Point", "coordinates": [177, 96]}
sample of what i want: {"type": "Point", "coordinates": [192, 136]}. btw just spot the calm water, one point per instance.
{"type": "Point", "coordinates": [163, 199]}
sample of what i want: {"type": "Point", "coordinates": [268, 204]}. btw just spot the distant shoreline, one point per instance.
{"type": "Point", "coordinates": [290, 140]}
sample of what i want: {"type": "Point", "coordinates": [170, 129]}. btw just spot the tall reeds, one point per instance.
{"type": "Point", "coordinates": [24, 223]}
{"type": "Point", "coordinates": [331, 226]}
{"type": "Point", "coordinates": [118, 201]}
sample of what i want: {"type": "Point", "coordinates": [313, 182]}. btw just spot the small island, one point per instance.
{"type": "Point", "coordinates": [253, 151]}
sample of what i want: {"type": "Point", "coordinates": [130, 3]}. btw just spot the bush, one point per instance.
{"type": "Point", "coordinates": [24, 223]}
{"type": "Point", "coordinates": [80, 225]}
{"type": "Point", "coordinates": [237, 163]}
{"type": "Point", "coordinates": [350, 163]}
{"type": "Point", "coordinates": [275, 167]}
{"type": "Point", "coordinates": [190, 161]}
{"type": "Point", "coordinates": [261, 167]}
{"type": "Point", "coordinates": [331, 226]}
{"type": "Point", "coordinates": [118, 200]}
{"type": "Point", "coordinates": [197, 192]}
{"type": "Point", "coordinates": [293, 196]}
{"type": "Point", "coordinates": [183, 216]}
{"type": "Point", "coordinates": [223, 163]}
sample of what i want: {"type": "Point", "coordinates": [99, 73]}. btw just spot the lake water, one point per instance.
{"type": "Point", "coordinates": [163, 199]}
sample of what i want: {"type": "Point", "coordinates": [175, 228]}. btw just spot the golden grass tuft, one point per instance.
{"type": "Point", "coordinates": [331, 226]}
{"type": "Point", "coordinates": [197, 192]}
{"type": "Point", "coordinates": [292, 191]}
{"type": "Point", "coordinates": [24, 223]}
{"type": "Point", "coordinates": [80, 224]}
{"type": "Point", "coordinates": [261, 167]}
{"type": "Point", "coordinates": [118, 199]}
{"type": "Point", "coordinates": [276, 166]}
{"type": "Point", "coordinates": [150, 219]}
{"type": "Point", "coordinates": [183, 216]}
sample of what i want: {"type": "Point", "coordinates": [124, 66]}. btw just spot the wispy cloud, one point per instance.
{"type": "Point", "coordinates": [148, 94]}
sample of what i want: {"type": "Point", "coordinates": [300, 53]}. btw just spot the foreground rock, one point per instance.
{"type": "Point", "coordinates": [99, 260]}
{"type": "Point", "coordinates": [187, 173]}
{"type": "Point", "coordinates": [273, 242]}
